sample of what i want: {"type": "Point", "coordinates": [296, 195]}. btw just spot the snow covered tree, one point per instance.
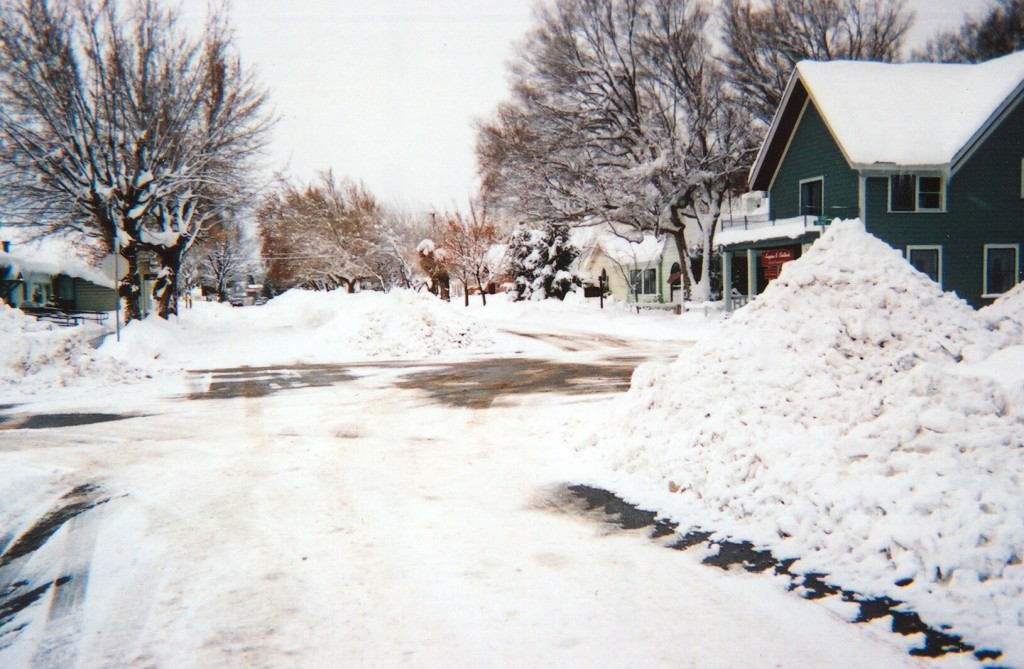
{"type": "Point", "coordinates": [121, 126]}
{"type": "Point", "coordinates": [620, 114]}
{"type": "Point", "coordinates": [998, 33]}
{"type": "Point", "coordinates": [765, 39]}
{"type": "Point", "coordinates": [540, 262]}
{"type": "Point", "coordinates": [328, 235]}
{"type": "Point", "coordinates": [433, 261]}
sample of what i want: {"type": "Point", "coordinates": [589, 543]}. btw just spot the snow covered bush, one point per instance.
{"type": "Point", "coordinates": [540, 263]}
{"type": "Point", "coordinates": [842, 419]}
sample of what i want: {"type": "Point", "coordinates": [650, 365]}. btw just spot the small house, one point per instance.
{"type": "Point", "coordinates": [46, 274]}
{"type": "Point", "coordinates": [644, 269]}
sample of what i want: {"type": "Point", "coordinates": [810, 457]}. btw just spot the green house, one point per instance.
{"type": "Point", "coordinates": [929, 156]}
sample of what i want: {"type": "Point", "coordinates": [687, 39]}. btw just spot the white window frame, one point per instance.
{"type": "Point", "coordinates": [641, 287]}
{"type": "Point", "coordinates": [800, 194]}
{"type": "Point", "coordinates": [984, 267]}
{"type": "Point", "coordinates": [650, 287]}
{"type": "Point", "coordinates": [917, 195]}
{"type": "Point", "coordinates": [927, 247]}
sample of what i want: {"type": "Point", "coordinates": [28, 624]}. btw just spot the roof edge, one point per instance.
{"type": "Point", "coordinates": [995, 119]}
{"type": "Point", "coordinates": [773, 129]}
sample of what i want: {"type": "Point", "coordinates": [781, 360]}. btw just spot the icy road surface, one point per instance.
{"type": "Point", "coordinates": [389, 515]}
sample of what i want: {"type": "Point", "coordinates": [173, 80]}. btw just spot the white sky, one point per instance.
{"type": "Point", "coordinates": [385, 91]}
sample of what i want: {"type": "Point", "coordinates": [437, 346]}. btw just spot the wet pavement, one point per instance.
{"type": "Point", "coordinates": [473, 384]}
{"type": "Point", "coordinates": [56, 420]}
{"type": "Point", "coordinates": [478, 384]}
{"type": "Point", "coordinates": [604, 506]}
{"type": "Point", "coordinates": [264, 381]}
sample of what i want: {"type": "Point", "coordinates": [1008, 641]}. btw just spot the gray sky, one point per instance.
{"type": "Point", "coordinates": [385, 91]}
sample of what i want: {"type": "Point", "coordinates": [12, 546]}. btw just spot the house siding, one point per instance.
{"type": "Point", "coordinates": [983, 206]}
{"type": "Point", "coordinates": [91, 297]}
{"type": "Point", "coordinates": [814, 153]}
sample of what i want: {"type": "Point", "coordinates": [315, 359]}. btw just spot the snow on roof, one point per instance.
{"type": "Point", "coordinates": [784, 228]}
{"type": "Point", "coordinates": [627, 252]}
{"type": "Point", "coordinates": [912, 114]}
{"type": "Point", "coordinates": [49, 255]}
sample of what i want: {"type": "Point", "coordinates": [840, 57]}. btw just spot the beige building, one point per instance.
{"type": "Point", "coordinates": [640, 269]}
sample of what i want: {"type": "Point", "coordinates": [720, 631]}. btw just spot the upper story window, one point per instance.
{"type": "Point", "coordinates": [910, 192]}
{"type": "Point", "coordinates": [812, 197]}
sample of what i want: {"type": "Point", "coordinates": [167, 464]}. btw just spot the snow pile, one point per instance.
{"type": "Point", "coordinates": [1007, 314]}
{"type": "Point", "coordinates": [399, 324]}
{"type": "Point", "coordinates": [840, 419]}
{"type": "Point", "coordinates": [38, 357]}
{"type": "Point", "coordinates": [304, 327]}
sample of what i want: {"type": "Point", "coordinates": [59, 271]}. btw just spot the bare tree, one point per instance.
{"type": "Point", "coordinates": [619, 114]}
{"type": "Point", "coordinates": [765, 40]}
{"type": "Point", "coordinates": [467, 242]}
{"type": "Point", "coordinates": [332, 234]}
{"type": "Point", "coordinates": [224, 258]}
{"type": "Point", "coordinates": [980, 38]}
{"type": "Point", "coordinates": [123, 127]}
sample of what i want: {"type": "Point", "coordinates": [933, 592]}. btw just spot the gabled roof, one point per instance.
{"type": "Point", "coordinates": [907, 115]}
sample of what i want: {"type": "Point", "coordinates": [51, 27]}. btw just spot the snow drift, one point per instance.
{"type": "Point", "coordinates": [842, 419]}
{"type": "Point", "coordinates": [304, 327]}
{"type": "Point", "coordinates": [37, 356]}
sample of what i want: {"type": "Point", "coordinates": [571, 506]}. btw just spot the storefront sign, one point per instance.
{"type": "Point", "coordinates": [773, 260]}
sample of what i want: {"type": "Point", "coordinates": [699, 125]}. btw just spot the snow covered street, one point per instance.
{"type": "Point", "coordinates": [379, 480]}
{"type": "Point", "coordinates": [371, 523]}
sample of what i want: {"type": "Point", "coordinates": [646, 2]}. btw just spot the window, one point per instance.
{"type": "Point", "coordinates": [910, 192]}
{"type": "Point", "coordinates": [650, 281]}
{"type": "Point", "coordinates": [1022, 178]}
{"type": "Point", "coordinates": [1002, 264]}
{"type": "Point", "coordinates": [811, 199]}
{"type": "Point", "coordinates": [635, 281]}
{"type": "Point", "coordinates": [927, 260]}
{"type": "Point", "coordinates": [643, 282]}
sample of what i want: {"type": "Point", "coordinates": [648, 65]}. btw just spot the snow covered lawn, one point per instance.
{"type": "Point", "coordinates": [336, 505]}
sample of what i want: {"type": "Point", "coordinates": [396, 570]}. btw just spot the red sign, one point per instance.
{"type": "Point", "coordinates": [773, 260]}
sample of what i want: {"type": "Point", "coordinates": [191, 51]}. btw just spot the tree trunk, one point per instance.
{"type": "Point", "coordinates": [128, 287]}
{"type": "Point", "coordinates": [483, 293]}
{"type": "Point", "coordinates": [679, 236]}
{"type": "Point", "coordinates": [165, 290]}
